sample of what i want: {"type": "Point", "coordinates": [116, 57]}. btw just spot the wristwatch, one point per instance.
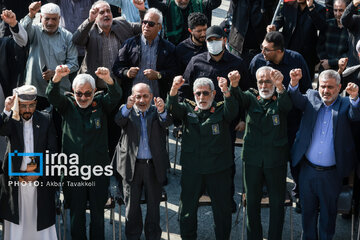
{"type": "Point", "coordinates": [159, 75]}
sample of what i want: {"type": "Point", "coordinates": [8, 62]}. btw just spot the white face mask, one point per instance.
{"type": "Point", "coordinates": [215, 47]}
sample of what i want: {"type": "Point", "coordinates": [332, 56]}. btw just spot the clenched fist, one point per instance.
{"type": "Point", "coordinates": [60, 72]}
{"type": "Point", "coordinates": [104, 74]}
{"type": "Point", "coordinates": [295, 76]}
{"type": "Point", "coordinates": [352, 89]}
{"type": "Point", "coordinates": [177, 83]}
{"type": "Point", "coordinates": [234, 77]}
{"type": "Point", "coordinates": [159, 104]}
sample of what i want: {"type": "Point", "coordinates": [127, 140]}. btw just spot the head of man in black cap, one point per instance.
{"type": "Point", "coordinates": [215, 40]}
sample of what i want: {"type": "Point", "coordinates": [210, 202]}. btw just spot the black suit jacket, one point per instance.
{"type": "Point", "coordinates": [128, 147]}
{"type": "Point", "coordinates": [44, 139]}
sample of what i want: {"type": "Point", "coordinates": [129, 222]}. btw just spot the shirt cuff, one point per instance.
{"type": "Point", "coordinates": [293, 89]}
{"type": "Point", "coordinates": [354, 103]}
{"type": "Point", "coordinates": [8, 113]}
{"type": "Point", "coordinates": [163, 116]}
{"type": "Point", "coordinates": [125, 111]}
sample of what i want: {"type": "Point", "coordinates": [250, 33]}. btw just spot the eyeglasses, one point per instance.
{"type": "Point", "coordinates": [150, 23]}
{"type": "Point", "coordinates": [24, 106]}
{"type": "Point", "coordinates": [264, 82]}
{"type": "Point", "coordinates": [266, 49]}
{"type": "Point", "coordinates": [205, 93]}
{"type": "Point", "coordinates": [86, 94]}
{"type": "Point", "coordinates": [138, 97]}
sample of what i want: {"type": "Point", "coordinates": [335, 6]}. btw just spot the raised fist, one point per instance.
{"type": "Point", "coordinates": [177, 83]}
{"type": "Point", "coordinates": [93, 14]}
{"type": "Point", "coordinates": [9, 17]}
{"type": "Point", "coordinates": [222, 82]}
{"type": "Point", "coordinates": [352, 89]}
{"type": "Point", "coordinates": [9, 103]}
{"type": "Point", "coordinates": [60, 72]}
{"type": "Point", "coordinates": [271, 28]}
{"type": "Point", "coordinates": [234, 77]}
{"type": "Point", "coordinates": [34, 7]}
{"type": "Point", "coordinates": [130, 102]}
{"type": "Point", "coordinates": [104, 74]}
{"type": "Point", "coordinates": [295, 76]}
{"type": "Point", "coordinates": [159, 104]}
{"type": "Point", "coordinates": [277, 78]}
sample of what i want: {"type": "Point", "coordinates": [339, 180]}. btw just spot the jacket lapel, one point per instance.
{"type": "Point", "coordinates": [36, 130]}
{"type": "Point", "coordinates": [335, 114]}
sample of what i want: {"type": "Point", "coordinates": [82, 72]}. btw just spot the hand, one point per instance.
{"type": "Point", "coordinates": [356, 2]}
{"type": "Point", "coordinates": [342, 63]}
{"type": "Point", "coordinates": [130, 102]}
{"type": "Point", "coordinates": [277, 78]}
{"type": "Point", "coordinates": [271, 28]}
{"type": "Point", "coordinates": [177, 83]}
{"type": "Point", "coordinates": [151, 74]}
{"type": "Point", "coordinates": [234, 77]}
{"type": "Point", "coordinates": [48, 74]}
{"type": "Point", "coordinates": [34, 7]}
{"type": "Point", "coordinates": [295, 76]}
{"type": "Point", "coordinates": [159, 104]}
{"type": "Point", "coordinates": [309, 3]}
{"type": "Point", "coordinates": [222, 82]}
{"type": "Point", "coordinates": [352, 89]}
{"type": "Point", "coordinates": [240, 127]}
{"type": "Point", "coordinates": [325, 64]}
{"type": "Point", "coordinates": [60, 72]}
{"type": "Point", "coordinates": [132, 72]}
{"type": "Point", "coordinates": [9, 103]}
{"type": "Point", "coordinates": [139, 4]}
{"type": "Point", "coordinates": [9, 17]}
{"type": "Point", "coordinates": [104, 74]}
{"type": "Point", "coordinates": [93, 14]}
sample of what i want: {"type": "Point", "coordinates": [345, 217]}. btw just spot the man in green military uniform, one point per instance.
{"type": "Point", "coordinates": [206, 156]}
{"type": "Point", "coordinates": [84, 126]}
{"type": "Point", "coordinates": [265, 152]}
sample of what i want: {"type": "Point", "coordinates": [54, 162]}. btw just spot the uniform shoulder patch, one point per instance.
{"type": "Point", "coordinates": [192, 103]}
{"type": "Point", "coordinates": [220, 103]}
{"type": "Point", "coordinates": [254, 91]}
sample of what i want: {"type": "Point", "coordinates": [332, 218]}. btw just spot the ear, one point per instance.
{"type": "Point", "coordinates": [189, 30]}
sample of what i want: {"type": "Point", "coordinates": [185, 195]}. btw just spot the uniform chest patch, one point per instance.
{"type": "Point", "coordinates": [97, 123]}
{"type": "Point", "coordinates": [215, 129]}
{"type": "Point", "coordinates": [276, 120]}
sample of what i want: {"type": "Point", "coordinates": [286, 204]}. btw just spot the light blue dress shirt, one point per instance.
{"type": "Point", "coordinates": [144, 149]}
{"type": "Point", "coordinates": [128, 10]}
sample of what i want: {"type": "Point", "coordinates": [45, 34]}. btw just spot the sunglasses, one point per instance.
{"type": "Point", "coordinates": [150, 23]}
{"type": "Point", "coordinates": [86, 94]}
{"type": "Point", "coordinates": [205, 93]}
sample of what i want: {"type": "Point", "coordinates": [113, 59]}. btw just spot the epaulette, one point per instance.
{"type": "Point", "coordinates": [254, 91]}
{"type": "Point", "coordinates": [192, 103]}
{"type": "Point", "coordinates": [66, 93]}
{"type": "Point", "coordinates": [98, 92]}
{"type": "Point", "coordinates": [219, 103]}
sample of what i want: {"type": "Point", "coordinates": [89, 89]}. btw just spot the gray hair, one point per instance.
{"type": "Point", "coordinates": [50, 8]}
{"type": "Point", "coordinates": [144, 84]}
{"type": "Point", "coordinates": [82, 79]}
{"type": "Point", "coordinates": [203, 81]}
{"type": "Point", "coordinates": [100, 2]}
{"type": "Point", "coordinates": [263, 69]}
{"type": "Point", "coordinates": [157, 12]}
{"type": "Point", "coordinates": [330, 74]}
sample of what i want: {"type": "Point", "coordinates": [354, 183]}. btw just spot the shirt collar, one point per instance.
{"type": "Point", "coordinates": [146, 42]}
{"type": "Point", "coordinates": [225, 57]}
{"type": "Point", "coordinates": [331, 105]}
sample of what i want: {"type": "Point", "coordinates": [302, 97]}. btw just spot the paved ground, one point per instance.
{"type": "Point", "coordinates": [205, 217]}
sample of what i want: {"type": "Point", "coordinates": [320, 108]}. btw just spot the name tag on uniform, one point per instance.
{"type": "Point", "coordinates": [190, 114]}
{"type": "Point", "coordinates": [276, 120]}
{"type": "Point", "coordinates": [215, 129]}
{"type": "Point", "coordinates": [97, 123]}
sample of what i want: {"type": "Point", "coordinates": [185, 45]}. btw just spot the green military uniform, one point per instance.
{"type": "Point", "coordinates": [206, 159]}
{"type": "Point", "coordinates": [265, 155]}
{"type": "Point", "coordinates": [85, 133]}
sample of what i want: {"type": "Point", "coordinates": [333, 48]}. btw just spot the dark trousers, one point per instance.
{"type": "Point", "coordinates": [144, 178]}
{"type": "Point", "coordinates": [275, 180]}
{"type": "Point", "coordinates": [218, 186]}
{"type": "Point", "coordinates": [318, 190]}
{"type": "Point", "coordinates": [77, 198]}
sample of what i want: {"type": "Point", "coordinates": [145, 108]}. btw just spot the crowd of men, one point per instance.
{"type": "Point", "coordinates": [79, 82]}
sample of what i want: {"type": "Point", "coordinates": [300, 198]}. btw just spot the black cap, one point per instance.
{"type": "Point", "coordinates": [215, 31]}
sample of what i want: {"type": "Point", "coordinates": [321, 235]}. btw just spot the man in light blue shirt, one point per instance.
{"type": "Point", "coordinates": [128, 9]}
{"type": "Point", "coordinates": [142, 159]}
{"type": "Point", "coordinates": [50, 46]}
{"type": "Point", "coordinates": [324, 148]}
